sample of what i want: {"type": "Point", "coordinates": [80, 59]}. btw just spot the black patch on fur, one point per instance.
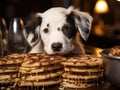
{"type": "Point", "coordinates": [28, 48]}
{"type": "Point", "coordinates": [69, 29]}
{"type": "Point", "coordinates": [31, 25]}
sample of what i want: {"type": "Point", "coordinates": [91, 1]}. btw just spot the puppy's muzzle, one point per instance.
{"type": "Point", "coordinates": [56, 46]}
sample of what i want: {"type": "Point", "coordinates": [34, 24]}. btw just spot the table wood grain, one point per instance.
{"type": "Point", "coordinates": [105, 86]}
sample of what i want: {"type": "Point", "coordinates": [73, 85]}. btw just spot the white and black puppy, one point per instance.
{"type": "Point", "coordinates": [58, 31]}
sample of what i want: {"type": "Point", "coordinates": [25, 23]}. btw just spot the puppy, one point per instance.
{"type": "Point", "coordinates": [58, 31]}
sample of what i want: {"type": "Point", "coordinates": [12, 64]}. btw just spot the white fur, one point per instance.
{"type": "Point", "coordinates": [56, 17]}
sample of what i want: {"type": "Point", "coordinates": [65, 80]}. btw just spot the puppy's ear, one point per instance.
{"type": "Point", "coordinates": [32, 22]}
{"type": "Point", "coordinates": [31, 32]}
{"type": "Point", "coordinates": [83, 21]}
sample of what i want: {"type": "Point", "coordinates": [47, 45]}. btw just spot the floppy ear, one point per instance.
{"type": "Point", "coordinates": [83, 22]}
{"type": "Point", "coordinates": [31, 31]}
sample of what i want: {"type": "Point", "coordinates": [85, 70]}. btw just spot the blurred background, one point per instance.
{"type": "Point", "coordinates": [106, 16]}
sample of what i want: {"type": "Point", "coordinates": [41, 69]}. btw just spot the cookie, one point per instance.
{"type": "Point", "coordinates": [115, 51]}
{"type": "Point", "coordinates": [76, 85]}
{"type": "Point", "coordinates": [36, 77]}
{"type": "Point", "coordinates": [12, 59]}
{"type": "Point", "coordinates": [79, 76]}
{"type": "Point", "coordinates": [35, 61]}
{"type": "Point", "coordinates": [5, 61]}
{"type": "Point", "coordinates": [83, 60]}
{"type": "Point", "coordinates": [8, 69]}
{"type": "Point", "coordinates": [83, 69]}
{"type": "Point", "coordinates": [25, 70]}
{"type": "Point", "coordinates": [40, 83]}
{"type": "Point", "coordinates": [7, 76]}
{"type": "Point", "coordinates": [9, 80]}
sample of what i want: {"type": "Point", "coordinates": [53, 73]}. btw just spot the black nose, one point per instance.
{"type": "Point", "coordinates": [56, 46]}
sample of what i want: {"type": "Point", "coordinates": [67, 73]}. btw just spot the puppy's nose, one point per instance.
{"type": "Point", "coordinates": [56, 46]}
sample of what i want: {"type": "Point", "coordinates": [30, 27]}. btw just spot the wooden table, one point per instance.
{"type": "Point", "coordinates": [105, 86]}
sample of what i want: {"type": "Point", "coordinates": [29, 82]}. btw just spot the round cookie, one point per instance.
{"type": "Point", "coordinates": [83, 60]}
{"type": "Point", "coordinates": [115, 51]}
{"type": "Point", "coordinates": [40, 83]}
{"type": "Point", "coordinates": [85, 69]}
{"type": "Point", "coordinates": [25, 70]}
{"type": "Point", "coordinates": [41, 76]}
{"type": "Point", "coordinates": [5, 61]}
{"type": "Point", "coordinates": [8, 69]}
{"type": "Point", "coordinates": [13, 59]}
{"type": "Point", "coordinates": [75, 76]}
{"type": "Point", "coordinates": [76, 86]}
{"type": "Point", "coordinates": [42, 60]}
{"type": "Point", "coordinates": [9, 80]}
{"type": "Point", "coordinates": [7, 76]}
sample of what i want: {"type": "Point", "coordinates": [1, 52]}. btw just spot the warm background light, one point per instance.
{"type": "Point", "coordinates": [101, 7]}
{"type": "Point", "coordinates": [118, 0]}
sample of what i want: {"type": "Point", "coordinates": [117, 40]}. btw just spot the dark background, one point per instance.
{"type": "Point", "coordinates": [21, 8]}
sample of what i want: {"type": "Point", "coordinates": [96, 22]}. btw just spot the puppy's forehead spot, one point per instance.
{"type": "Point", "coordinates": [48, 25]}
{"type": "Point", "coordinates": [58, 28]}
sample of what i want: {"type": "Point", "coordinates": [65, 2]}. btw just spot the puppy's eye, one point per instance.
{"type": "Point", "coordinates": [46, 30]}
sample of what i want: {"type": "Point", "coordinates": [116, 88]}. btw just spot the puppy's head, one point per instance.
{"type": "Point", "coordinates": [59, 26]}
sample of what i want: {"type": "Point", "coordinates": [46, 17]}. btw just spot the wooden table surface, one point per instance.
{"type": "Point", "coordinates": [105, 86]}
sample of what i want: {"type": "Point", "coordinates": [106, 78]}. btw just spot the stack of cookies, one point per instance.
{"type": "Point", "coordinates": [9, 67]}
{"type": "Point", "coordinates": [82, 71]}
{"type": "Point", "coordinates": [41, 70]}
